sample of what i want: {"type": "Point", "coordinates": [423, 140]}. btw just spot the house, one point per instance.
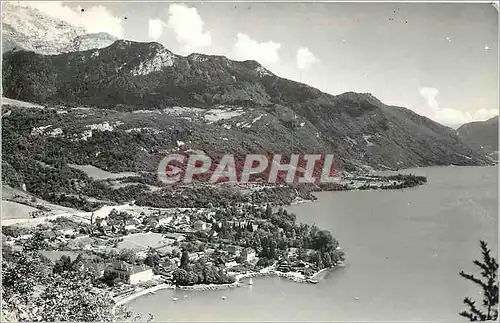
{"type": "Point", "coordinates": [68, 232]}
{"type": "Point", "coordinates": [200, 226]}
{"type": "Point", "coordinates": [234, 250]}
{"type": "Point", "coordinates": [194, 256]}
{"type": "Point", "coordinates": [131, 224]}
{"type": "Point", "coordinates": [51, 235]}
{"type": "Point", "coordinates": [25, 237]}
{"type": "Point", "coordinates": [130, 227]}
{"type": "Point", "coordinates": [165, 219]}
{"type": "Point", "coordinates": [130, 274]}
{"type": "Point", "coordinates": [101, 222]}
{"type": "Point", "coordinates": [184, 218]}
{"type": "Point", "coordinates": [231, 264]}
{"type": "Point", "coordinates": [185, 228]}
{"type": "Point", "coordinates": [175, 236]}
{"type": "Point", "coordinates": [209, 251]}
{"type": "Point", "coordinates": [150, 220]}
{"type": "Point", "coordinates": [249, 254]}
{"type": "Point", "coordinates": [175, 262]}
{"type": "Point", "coordinates": [141, 255]}
{"type": "Point", "coordinates": [210, 216]}
{"type": "Point", "coordinates": [284, 268]}
{"type": "Point", "coordinates": [9, 241]}
{"type": "Point", "coordinates": [292, 253]}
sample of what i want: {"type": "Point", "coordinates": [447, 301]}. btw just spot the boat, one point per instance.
{"type": "Point", "coordinates": [250, 282]}
{"type": "Point", "coordinates": [223, 297]}
{"type": "Point", "coordinates": [356, 298]}
{"type": "Point", "coordinates": [174, 299]}
{"type": "Point", "coordinates": [185, 296]}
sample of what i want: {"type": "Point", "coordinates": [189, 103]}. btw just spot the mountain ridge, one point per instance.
{"type": "Point", "coordinates": [130, 76]}
{"type": "Point", "coordinates": [482, 136]}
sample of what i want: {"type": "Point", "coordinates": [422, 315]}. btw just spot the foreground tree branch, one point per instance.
{"type": "Point", "coordinates": [489, 285]}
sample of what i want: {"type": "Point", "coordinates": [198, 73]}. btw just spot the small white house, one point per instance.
{"type": "Point", "coordinates": [130, 227]}
{"type": "Point", "coordinates": [200, 226]}
{"type": "Point", "coordinates": [67, 231]}
{"type": "Point", "coordinates": [175, 236]}
{"type": "Point", "coordinates": [249, 254]}
{"type": "Point", "coordinates": [164, 220]}
{"type": "Point", "coordinates": [131, 274]}
{"type": "Point", "coordinates": [101, 222]}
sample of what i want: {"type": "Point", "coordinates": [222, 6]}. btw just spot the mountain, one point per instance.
{"type": "Point", "coordinates": [481, 135]}
{"type": "Point", "coordinates": [227, 106]}
{"type": "Point", "coordinates": [26, 28]}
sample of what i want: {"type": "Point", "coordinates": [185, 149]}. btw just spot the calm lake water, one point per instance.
{"type": "Point", "coordinates": [404, 251]}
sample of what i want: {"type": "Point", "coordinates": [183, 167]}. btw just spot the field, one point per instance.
{"type": "Point", "coordinates": [100, 174]}
{"type": "Point", "coordinates": [13, 210]}
{"type": "Point", "coordinates": [142, 241]}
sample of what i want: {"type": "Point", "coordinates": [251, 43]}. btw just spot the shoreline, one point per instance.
{"type": "Point", "coordinates": [268, 271]}
{"type": "Point", "coordinates": [140, 293]}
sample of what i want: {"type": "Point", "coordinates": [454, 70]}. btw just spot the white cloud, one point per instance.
{"type": "Point", "coordinates": [188, 27]}
{"type": "Point", "coordinates": [155, 28]}
{"type": "Point", "coordinates": [448, 116]}
{"type": "Point", "coordinates": [96, 18]}
{"type": "Point", "coordinates": [247, 48]}
{"type": "Point", "coordinates": [451, 117]}
{"type": "Point", "coordinates": [305, 58]}
{"type": "Point", "coordinates": [430, 93]}
{"type": "Point", "coordinates": [484, 114]}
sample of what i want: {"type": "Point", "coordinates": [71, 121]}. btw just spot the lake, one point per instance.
{"type": "Point", "coordinates": [404, 251]}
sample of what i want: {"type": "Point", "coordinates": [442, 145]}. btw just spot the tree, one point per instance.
{"type": "Point", "coordinates": [71, 297]}
{"type": "Point", "coordinates": [269, 212]}
{"type": "Point", "coordinates": [152, 259]}
{"type": "Point", "coordinates": [489, 285]}
{"type": "Point", "coordinates": [110, 278]}
{"type": "Point", "coordinates": [37, 242]}
{"type": "Point", "coordinates": [31, 293]}
{"type": "Point", "coordinates": [66, 264]}
{"type": "Point", "coordinates": [127, 255]}
{"type": "Point", "coordinates": [185, 259]}
{"type": "Point", "coordinates": [180, 277]}
{"type": "Point", "coordinates": [327, 259]}
{"type": "Point", "coordinates": [21, 274]}
{"type": "Point", "coordinates": [124, 314]}
{"type": "Point", "coordinates": [323, 240]}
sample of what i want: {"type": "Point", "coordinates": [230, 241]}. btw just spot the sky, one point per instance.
{"type": "Point", "coordinates": [438, 59]}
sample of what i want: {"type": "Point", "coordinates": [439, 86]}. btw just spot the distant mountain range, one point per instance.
{"type": "Point", "coordinates": [26, 28]}
{"type": "Point", "coordinates": [481, 135]}
{"type": "Point", "coordinates": [228, 106]}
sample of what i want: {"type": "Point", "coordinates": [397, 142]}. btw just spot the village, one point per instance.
{"type": "Point", "coordinates": [130, 249]}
